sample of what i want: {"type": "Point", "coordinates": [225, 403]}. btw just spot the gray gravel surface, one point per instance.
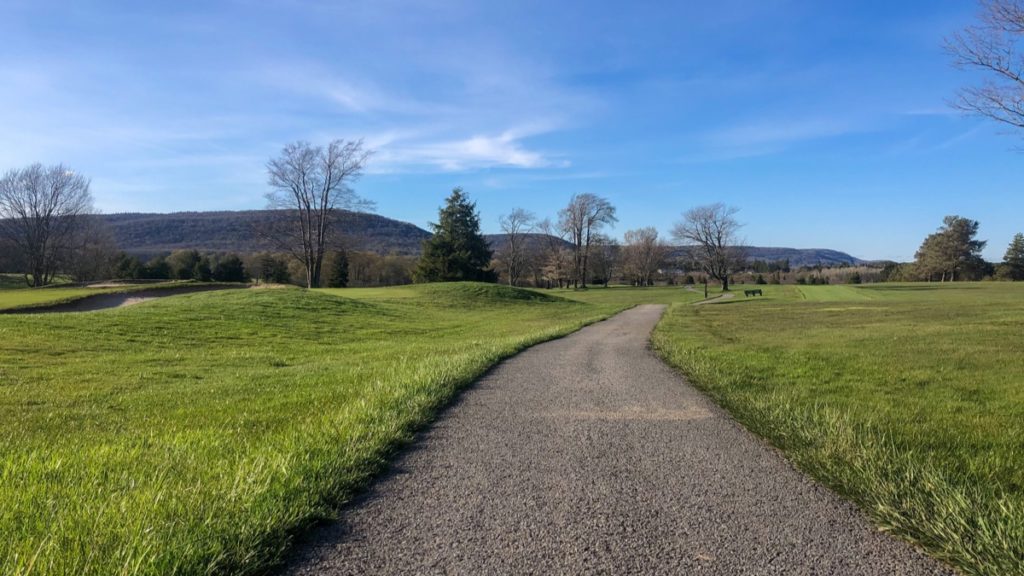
{"type": "Point", "coordinates": [588, 455]}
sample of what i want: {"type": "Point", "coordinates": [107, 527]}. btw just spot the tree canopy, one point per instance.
{"type": "Point", "coordinates": [712, 232]}
{"type": "Point", "coordinates": [583, 219]}
{"type": "Point", "coordinates": [314, 184]}
{"type": "Point", "coordinates": [41, 212]}
{"type": "Point", "coordinates": [1013, 261]}
{"type": "Point", "coordinates": [952, 252]}
{"type": "Point", "coordinates": [457, 251]}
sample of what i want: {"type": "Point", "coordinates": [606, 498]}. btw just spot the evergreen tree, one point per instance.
{"type": "Point", "coordinates": [230, 268]}
{"type": "Point", "coordinates": [457, 251]}
{"type": "Point", "coordinates": [1013, 261]}
{"type": "Point", "coordinates": [201, 271]}
{"type": "Point", "coordinates": [337, 276]}
{"type": "Point", "coordinates": [952, 252]}
{"type": "Point", "coordinates": [157, 269]}
{"type": "Point", "coordinates": [274, 269]}
{"type": "Point", "coordinates": [184, 264]}
{"type": "Point", "coordinates": [128, 267]}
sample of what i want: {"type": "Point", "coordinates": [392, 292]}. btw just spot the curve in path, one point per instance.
{"type": "Point", "coordinates": [719, 298]}
{"type": "Point", "coordinates": [589, 455]}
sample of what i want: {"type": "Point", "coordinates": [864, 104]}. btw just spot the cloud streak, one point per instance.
{"type": "Point", "coordinates": [506, 149]}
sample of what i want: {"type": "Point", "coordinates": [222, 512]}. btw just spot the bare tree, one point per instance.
{"type": "Point", "coordinates": [712, 231]}
{"type": "Point", "coordinates": [516, 225]}
{"type": "Point", "coordinates": [92, 251]}
{"type": "Point", "coordinates": [991, 47]}
{"type": "Point", "coordinates": [554, 262]}
{"type": "Point", "coordinates": [313, 183]}
{"type": "Point", "coordinates": [604, 259]}
{"type": "Point", "coordinates": [584, 218]}
{"type": "Point", "coordinates": [40, 211]}
{"type": "Point", "coordinates": [642, 255]}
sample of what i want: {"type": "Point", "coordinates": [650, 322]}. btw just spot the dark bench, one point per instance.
{"type": "Point", "coordinates": [755, 292]}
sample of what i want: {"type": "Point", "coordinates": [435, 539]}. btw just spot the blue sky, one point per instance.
{"type": "Point", "coordinates": [826, 123]}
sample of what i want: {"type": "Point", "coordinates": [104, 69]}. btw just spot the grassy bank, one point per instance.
{"type": "Point", "coordinates": [909, 399]}
{"type": "Point", "coordinates": [195, 434]}
{"type": "Point", "coordinates": [14, 297]}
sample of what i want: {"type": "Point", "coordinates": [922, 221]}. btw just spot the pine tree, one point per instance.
{"type": "Point", "coordinates": [230, 268]}
{"type": "Point", "coordinates": [457, 251]}
{"type": "Point", "coordinates": [1013, 261]}
{"type": "Point", "coordinates": [953, 252]}
{"type": "Point", "coordinates": [337, 277]}
{"type": "Point", "coordinates": [201, 270]}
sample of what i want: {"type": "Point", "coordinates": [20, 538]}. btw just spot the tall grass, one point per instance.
{"type": "Point", "coordinates": [908, 400]}
{"type": "Point", "coordinates": [196, 434]}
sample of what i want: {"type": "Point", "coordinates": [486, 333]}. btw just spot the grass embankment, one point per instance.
{"type": "Point", "coordinates": [909, 399]}
{"type": "Point", "coordinates": [193, 435]}
{"type": "Point", "coordinates": [14, 297]}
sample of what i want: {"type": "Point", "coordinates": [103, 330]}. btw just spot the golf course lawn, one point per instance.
{"type": "Point", "coordinates": [198, 434]}
{"type": "Point", "coordinates": [195, 434]}
{"type": "Point", "coordinates": [909, 399]}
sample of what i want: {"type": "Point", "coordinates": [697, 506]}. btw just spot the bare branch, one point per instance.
{"type": "Point", "coordinates": [515, 225]}
{"type": "Point", "coordinates": [40, 210]}
{"type": "Point", "coordinates": [583, 219]}
{"type": "Point", "coordinates": [712, 232]}
{"type": "Point", "coordinates": [313, 183]}
{"type": "Point", "coordinates": [991, 48]}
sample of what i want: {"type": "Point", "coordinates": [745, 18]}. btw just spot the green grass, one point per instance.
{"type": "Point", "coordinates": [630, 296]}
{"type": "Point", "coordinates": [196, 434]}
{"type": "Point", "coordinates": [15, 281]}
{"type": "Point", "coordinates": [22, 297]}
{"type": "Point", "coordinates": [909, 399]}
{"type": "Point", "coordinates": [11, 281]}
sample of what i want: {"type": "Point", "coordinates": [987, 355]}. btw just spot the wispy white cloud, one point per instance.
{"type": "Point", "coordinates": [356, 95]}
{"type": "Point", "coordinates": [928, 143]}
{"type": "Point", "coordinates": [940, 111]}
{"type": "Point", "coordinates": [775, 133]}
{"type": "Point", "coordinates": [506, 149]}
{"type": "Point", "coordinates": [768, 137]}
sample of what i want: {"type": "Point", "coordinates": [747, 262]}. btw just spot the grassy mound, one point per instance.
{"type": "Point", "coordinates": [461, 293]}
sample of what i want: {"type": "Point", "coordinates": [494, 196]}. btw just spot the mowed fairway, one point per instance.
{"type": "Point", "coordinates": [194, 434]}
{"type": "Point", "coordinates": [909, 399]}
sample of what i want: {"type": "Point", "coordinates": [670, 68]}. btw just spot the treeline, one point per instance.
{"type": "Point", "coordinates": [953, 253]}
{"type": "Point", "coordinates": [342, 268]}
{"type": "Point", "coordinates": [48, 229]}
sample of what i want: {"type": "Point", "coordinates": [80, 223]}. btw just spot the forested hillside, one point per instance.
{"type": "Point", "coordinates": [150, 234]}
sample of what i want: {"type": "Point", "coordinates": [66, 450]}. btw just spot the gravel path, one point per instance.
{"type": "Point", "coordinates": [588, 455]}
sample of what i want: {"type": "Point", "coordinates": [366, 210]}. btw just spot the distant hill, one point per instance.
{"type": "Point", "coordinates": [802, 256]}
{"type": "Point", "coordinates": [499, 241]}
{"type": "Point", "coordinates": [797, 256]}
{"type": "Point", "coordinates": [237, 232]}
{"type": "Point", "coordinates": [150, 234]}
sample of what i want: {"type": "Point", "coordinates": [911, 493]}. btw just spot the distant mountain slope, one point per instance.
{"type": "Point", "coordinates": [237, 232]}
{"type": "Point", "coordinates": [797, 257]}
{"type": "Point", "coordinates": [148, 234]}
{"type": "Point", "coordinates": [802, 256]}
{"type": "Point", "coordinates": [499, 241]}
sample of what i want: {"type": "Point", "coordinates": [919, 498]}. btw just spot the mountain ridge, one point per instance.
{"type": "Point", "coordinates": [149, 233]}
